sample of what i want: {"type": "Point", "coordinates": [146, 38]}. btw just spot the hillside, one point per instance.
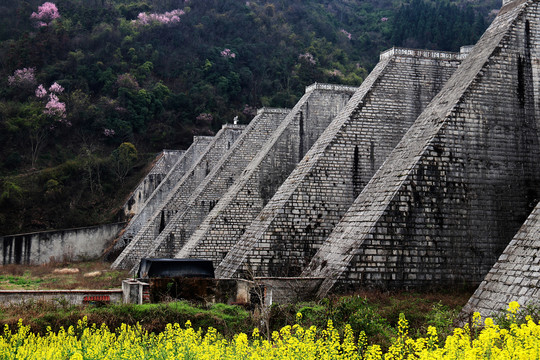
{"type": "Point", "coordinates": [81, 78]}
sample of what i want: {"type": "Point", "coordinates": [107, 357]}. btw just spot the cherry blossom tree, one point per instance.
{"type": "Point", "coordinates": [46, 14]}
{"type": "Point", "coordinates": [169, 17]}
{"type": "Point", "coordinates": [348, 34]}
{"type": "Point", "coordinates": [227, 53]}
{"type": "Point", "coordinates": [23, 78]}
{"type": "Point", "coordinates": [56, 88]}
{"type": "Point", "coordinates": [41, 92]}
{"type": "Point", "coordinates": [55, 108]}
{"type": "Point", "coordinates": [38, 116]}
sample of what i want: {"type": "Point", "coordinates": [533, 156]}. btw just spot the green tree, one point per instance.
{"type": "Point", "coordinates": [122, 160]}
{"type": "Point", "coordinates": [28, 119]}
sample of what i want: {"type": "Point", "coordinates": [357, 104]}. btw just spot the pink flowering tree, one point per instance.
{"type": "Point", "coordinates": [249, 110]}
{"type": "Point", "coordinates": [307, 57]}
{"type": "Point", "coordinates": [170, 17]}
{"type": "Point", "coordinates": [23, 78]}
{"type": "Point", "coordinates": [41, 92]}
{"type": "Point", "coordinates": [56, 88]}
{"type": "Point", "coordinates": [347, 34]}
{"type": "Point", "coordinates": [227, 53]}
{"type": "Point", "coordinates": [46, 14]}
{"type": "Point", "coordinates": [205, 118]}
{"type": "Point", "coordinates": [38, 116]}
{"type": "Point", "coordinates": [54, 108]}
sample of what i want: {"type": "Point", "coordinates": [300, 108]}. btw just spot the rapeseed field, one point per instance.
{"type": "Point", "coordinates": [483, 339]}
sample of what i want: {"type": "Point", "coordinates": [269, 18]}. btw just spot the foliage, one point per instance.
{"type": "Point", "coordinates": [143, 71]}
{"type": "Point", "coordinates": [123, 159]}
{"type": "Point", "coordinates": [46, 14]}
{"type": "Point", "coordinates": [422, 24]}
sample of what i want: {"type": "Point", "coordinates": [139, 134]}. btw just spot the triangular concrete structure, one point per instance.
{"type": "Point", "coordinates": [304, 210]}
{"type": "Point", "coordinates": [145, 205]}
{"type": "Point", "coordinates": [211, 235]}
{"type": "Point", "coordinates": [515, 276]}
{"type": "Point", "coordinates": [162, 166]}
{"type": "Point", "coordinates": [455, 190]}
{"type": "Point", "coordinates": [170, 195]}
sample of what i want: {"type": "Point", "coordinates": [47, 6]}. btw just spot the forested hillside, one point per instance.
{"type": "Point", "coordinates": [91, 88]}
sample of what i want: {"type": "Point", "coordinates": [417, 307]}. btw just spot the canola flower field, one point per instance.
{"type": "Point", "coordinates": [483, 340]}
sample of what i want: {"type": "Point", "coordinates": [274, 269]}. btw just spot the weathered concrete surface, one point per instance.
{"type": "Point", "coordinates": [229, 168]}
{"type": "Point", "coordinates": [158, 196]}
{"type": "Point", "coordinates": [58, 245]}
{"type": "Point", "coordinates": [288, 290]}
{"type": "Point", "coordinates": [452, 194]}
{"type": "Point", "coordinates": [164, 163]}
{"type": "Point", "coordinates": [515, 276]}
{"type": "Point", "coordinates": [201, 290]}
{"type": "Point", "coordinates": [286, 234]}
{"type": "Point", "coordinates": [73, 297]}
{"type": "Point", "coordinates": [230, 217]}
{"type": "Point", "coordinates": [146, 226]}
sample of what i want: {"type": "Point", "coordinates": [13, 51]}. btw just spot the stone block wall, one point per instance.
{"type": "Point", "coordinates": [208, 193]}
{"type": "Point", "coordinates": [454, 191]}
{"type": "Point", "coordinates": [286, 234]}
{"type": "Point", "coordinates": [156, 198]}
{"type": "Point", "coordinates": [231, 216]}
{"type": "Point", "coordinates": [515, 276]}
{"type": "Point", "coordinates": [162, 209]}
{"type": "Point", "coordinates": [163, 164]}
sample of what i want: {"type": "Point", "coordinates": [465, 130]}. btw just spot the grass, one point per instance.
{"type": "Point", "coordinates": [227, 319]}
{"type": "Point", "coordinates": [25, 277]}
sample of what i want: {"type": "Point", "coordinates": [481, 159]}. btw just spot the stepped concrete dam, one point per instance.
{"type": "Point", "coordinates": [427, 175]}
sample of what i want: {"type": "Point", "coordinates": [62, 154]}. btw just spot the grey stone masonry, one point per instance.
{"type": "Point", "coordinates": [163, 164]}
{"type": "Point", "coordinates": [169, 198]}
{"type": "Point", "coordinates": [231, 216]}
{"type": "Point", "coordinates": [207, 194]}
{"type": "Point", "coordinates": [147, 207]}
{"type": "Point", "coordinates": [515, 276]}
{"type": "Point", "coordinates": [455, 190]}
{"type": "Point", "coordinates": [286, 234]}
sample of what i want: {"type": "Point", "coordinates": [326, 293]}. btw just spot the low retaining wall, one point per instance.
{"type": "Point", "coordinates": [58, 245]}
{"type": "Point", "coordinates": [199, 290]}
{"type": "Point", "coordinates": [288, 290]}
{"type": "Point", "coordinates": [73, 297]}
{"type": "Point", "coordinates": [229, 291]}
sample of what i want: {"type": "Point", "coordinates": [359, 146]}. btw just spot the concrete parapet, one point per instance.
{"type": "Point", "coordinates": [421, 54]}
{"type": "Point", "coordinates": [331, 87]}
